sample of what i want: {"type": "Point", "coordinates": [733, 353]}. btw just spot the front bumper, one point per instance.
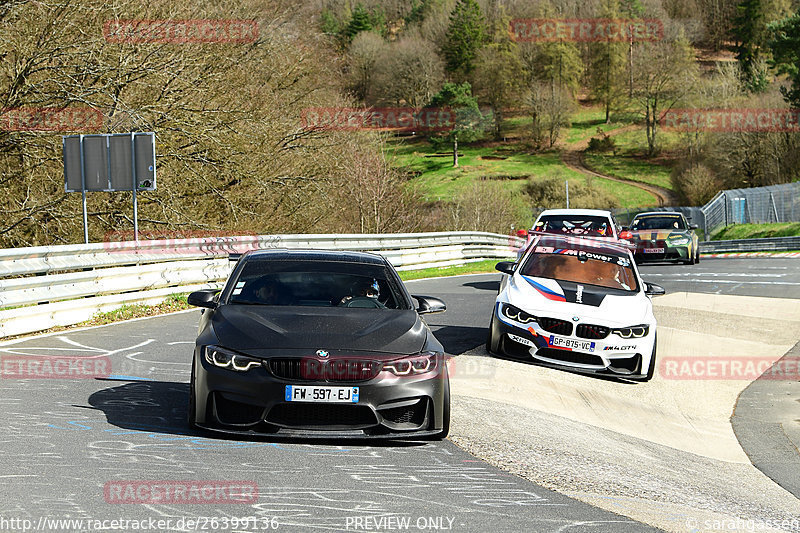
{"type": "Point", "coordinates": [254, 403]}
{"type": "Point", "coordinates": [611, 356]}
{"type": "Point", "coordinates": [670, 253]}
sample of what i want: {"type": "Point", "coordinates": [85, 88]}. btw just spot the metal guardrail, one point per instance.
{"type": "Point", "coordinates": [49, 286]}
{"type": "Point", "coordinates": [772, 244]}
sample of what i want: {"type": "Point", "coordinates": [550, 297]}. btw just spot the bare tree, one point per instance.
{"type": "Point", "coordinates": [232, 151]}
{"type": "Point", "coordinates": [487, 206]}
{"type": "Point", "coordinates": [409, 72]}
{"type": "Point", "coordinates": [550, 109]}
{"type": "Point", "coordinates": [373, 197]}
{"type": "Point", "coordinates": [664, 74]}
{"type": "Point", "coordinates": [364, 54]}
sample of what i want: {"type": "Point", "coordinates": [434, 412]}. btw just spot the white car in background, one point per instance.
{"type": "Point", "coordinates": [577, 304]}
{"type": "Point", "coordinates": [598, 223]}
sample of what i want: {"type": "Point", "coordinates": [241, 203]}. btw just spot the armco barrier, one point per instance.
{"type": "Point", "coordinates": [772, 244]}
{"type": "Point", "coordinates": [49, 286]}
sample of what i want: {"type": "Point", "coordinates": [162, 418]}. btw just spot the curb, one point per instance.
{"type": "Point", "coordinates": [765, 423]}
{"type": "Point", "coordinates": [752, 254]}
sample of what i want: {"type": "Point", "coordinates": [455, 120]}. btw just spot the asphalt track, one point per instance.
{"type": "Point", "coordinates": [63, 441]}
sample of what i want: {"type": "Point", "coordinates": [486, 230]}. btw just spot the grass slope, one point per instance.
{"type": "Point", "coordinates": [756, 231]}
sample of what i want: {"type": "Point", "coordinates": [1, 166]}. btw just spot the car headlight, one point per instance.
{"type": "Point", "coordinates": [414, 365]}
{"type": "Point", "coordinates": [517, 314]}
{"type": "Point", "coordinates": [679, 241]}
{"type": "Point", "coordinates": [635, 332]}
{"type": "Point", "coordinates": [228, 359]}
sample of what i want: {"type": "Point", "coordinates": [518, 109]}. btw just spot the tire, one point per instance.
{"type": "Point", "coordinates": [191, 417]}
{"type": "Point", "coordinates": [696, 254]}
{"type": "Point", "coordinates": [651, 371]}
{"type": "Point", "coordinates": [445, 412]}
{"type": "Point", "coordinates": [492, 342]}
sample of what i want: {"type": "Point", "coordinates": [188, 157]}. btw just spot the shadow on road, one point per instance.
{"type": "Point", "coordinates": [161, 407]}
{"type": "Point", "coordinates": [459, 339]}
{"type": "Point", "coordinates": [484, 285]}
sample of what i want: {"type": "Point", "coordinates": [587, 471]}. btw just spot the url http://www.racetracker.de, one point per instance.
{"type": "Point", "coordinates": [196, 523]}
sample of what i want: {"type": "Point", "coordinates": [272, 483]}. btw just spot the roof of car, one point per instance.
{"type": "Point", "coordinates": [595, 245]}
{"type": "Point", "coordinates": [341, 256]}
{"type": "Point", "coordinates": [578, 212]}
{"type": "Point", "coordinates": [659, 213]}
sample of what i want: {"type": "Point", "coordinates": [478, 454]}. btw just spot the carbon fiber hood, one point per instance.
{"type": "Point", "coordinates": [251, 329]}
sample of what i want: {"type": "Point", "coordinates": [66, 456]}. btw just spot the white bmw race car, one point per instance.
{"type": "Point", "coordinates": [578, 304]}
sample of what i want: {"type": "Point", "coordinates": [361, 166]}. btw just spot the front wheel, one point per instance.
{"type": "Point", "coordinates": [492, 339]}
{"type": "Point", "coordinates": [191, 417]}
{"type": "Point", "coordinates": [651, 371]}
{"type": "Point", "coordinates": [445, 411]}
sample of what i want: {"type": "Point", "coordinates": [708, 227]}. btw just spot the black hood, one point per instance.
{"type": "Point", "coordinates": [261, 329]}
{"type": "Point", "coordinates": [589, 294]}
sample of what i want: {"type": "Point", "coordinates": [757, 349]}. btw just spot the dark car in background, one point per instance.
{"type": "Point", "coordinates": [664, 236]}
{"type": "Point", "coordinates": [318, 344]}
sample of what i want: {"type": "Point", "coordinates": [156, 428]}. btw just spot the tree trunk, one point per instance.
{"type": "Point", "coordinates": [455, 151]}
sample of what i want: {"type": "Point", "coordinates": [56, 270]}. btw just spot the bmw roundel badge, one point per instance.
{"type": "Point", "coordinates": [322, 353]}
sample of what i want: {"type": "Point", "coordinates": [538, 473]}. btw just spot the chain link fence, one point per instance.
{"type": "Point", "coordinates": [759, 205]}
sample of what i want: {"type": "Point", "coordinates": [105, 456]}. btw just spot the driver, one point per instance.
{"type": "Point", "coordinates": [364, 288]}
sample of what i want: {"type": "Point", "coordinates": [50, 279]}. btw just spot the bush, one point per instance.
{"type": "Point", "coordinates": [550, 192]}
{"type": "Point", "coordinates": [695, 183]}
{"type": "Point", "coordinates": [604, 143]}
{"type": "Point", "coordinates": [488, 206]}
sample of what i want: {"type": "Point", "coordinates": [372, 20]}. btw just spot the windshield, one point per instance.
{"type": "Point", "coordinates": [659, 222]}
{"type": "Point", "coordinates": [595, 226]}
{"type": "Point", "coordinates": [316, 284]}
{"type": "Point", "coordinates": [586, 268]}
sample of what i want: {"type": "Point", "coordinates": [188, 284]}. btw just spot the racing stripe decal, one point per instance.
{"type": "Point", "coordinates": [544, 291]}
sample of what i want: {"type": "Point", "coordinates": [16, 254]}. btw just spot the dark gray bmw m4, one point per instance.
{"type": "Point", "coordinates": [318, 344]}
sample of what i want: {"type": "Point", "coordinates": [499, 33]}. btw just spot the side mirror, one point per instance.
{"type": "Point", "coordinates": [429, 304]}
{"type": "Point", "coordinates": [625, 234]}
{"type": "Point", "coordinates": [506, 267]}
{"type": "Point", "coordinates": [651, 289]}
{"type": "Point", "coordinates": [203, 298]}
{"type": "Point", "coordinates": [522, 233]}
{"type": "Point", "coordinates": [693, 226]}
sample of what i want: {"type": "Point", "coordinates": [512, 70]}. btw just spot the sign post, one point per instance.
{"type": "Point", "coordinates": [110, 162]}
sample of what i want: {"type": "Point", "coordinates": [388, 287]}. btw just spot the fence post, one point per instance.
{"type": "Point", "coordinates": [725, 206]}
{"type": "Point", "coordinates": [774, 207]}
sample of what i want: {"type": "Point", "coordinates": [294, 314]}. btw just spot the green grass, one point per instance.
{"type": "Point", "coordinates": [439, 181]}
{"type": "Point", "coordinates": [629, 168]}
{"type": "Point", "coordinates": [175, 302]}
{"type": "Point", "coordinates": [585, 122]}
{"type": "Point", "coordinates": [478, 267]}
{"type": "Point", "coordinates": [634, 142]}
{"type": "Point", "coordinates": [756, 231]}
{"type": "Point", "coordinates": [628, 195]}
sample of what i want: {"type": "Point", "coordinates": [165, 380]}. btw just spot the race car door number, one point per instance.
{"type": "Point", "coordinates": [572, 344]}
{"type": "Point", "coordinates": [305, 393]}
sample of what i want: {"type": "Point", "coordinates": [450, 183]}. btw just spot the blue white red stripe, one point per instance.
{"type": "Point", "coordinates": [544, 291]}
